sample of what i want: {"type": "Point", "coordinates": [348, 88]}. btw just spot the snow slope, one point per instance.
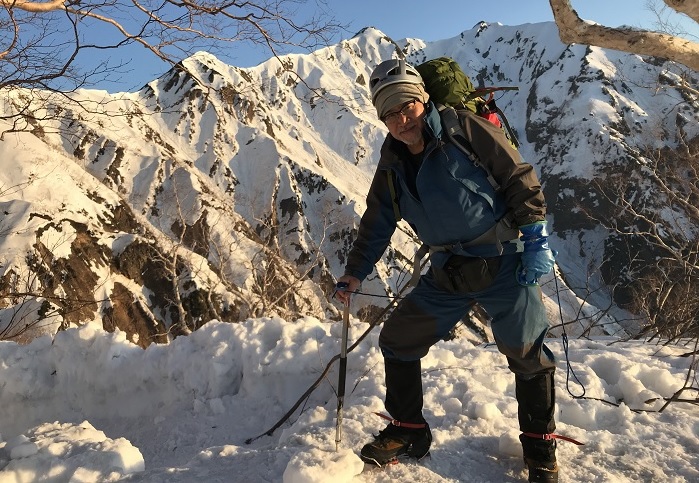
{"type": "Point", "coordinates": [90, 406]}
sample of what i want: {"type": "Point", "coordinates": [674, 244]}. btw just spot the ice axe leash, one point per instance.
{"type": "Point", "coordinates": [342, 377]}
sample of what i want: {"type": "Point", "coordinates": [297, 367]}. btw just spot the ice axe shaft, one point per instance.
{"type": "Point", "coordinates": [343, 370]}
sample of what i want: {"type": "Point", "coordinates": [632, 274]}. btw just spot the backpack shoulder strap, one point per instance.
{"type": "Point", "coordinates": [394, 195]}
{"type": "Point", "coordinates": [455, 132]}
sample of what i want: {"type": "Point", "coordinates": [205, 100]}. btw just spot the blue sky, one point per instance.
{"type": "Point", "coordinates": [412, 18]}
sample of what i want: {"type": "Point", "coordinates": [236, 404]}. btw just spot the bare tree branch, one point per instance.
{"type": "Point", "coordinates": [687, 7]}
{"type": "Point", "coordinates": [44, 42]}
{"type": "Point", "coordinates": [652, 216]}
{"type": "Point", "coordinates": [572, 29]}
{"type": "Point", "coordinates": [36, 7]}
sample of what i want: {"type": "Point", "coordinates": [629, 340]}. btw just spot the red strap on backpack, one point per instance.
{"type": "Point", "coordinates": [492, 117]}
{"type": "Point", "coordinates": [551, 436]}
{"type": "Point", "coordinates": [486, 112]}
{"type": "Point", "coordinates": [400, 424]}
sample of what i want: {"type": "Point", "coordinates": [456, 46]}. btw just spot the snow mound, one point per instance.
{"type": "Point", "coordinates": [68, 452]}
{"type": "Point", "coordinates": [318, 466]}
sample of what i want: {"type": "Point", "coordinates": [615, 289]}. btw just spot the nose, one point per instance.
{"type": "Point", "coordinates": [403, 117]}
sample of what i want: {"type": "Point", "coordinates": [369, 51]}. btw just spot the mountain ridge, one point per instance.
{"type": "Point", "coordinates": [237, 191]}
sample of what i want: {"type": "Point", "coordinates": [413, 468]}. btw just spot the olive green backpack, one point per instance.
{"type": "Point", "coordinates": [447, 84]}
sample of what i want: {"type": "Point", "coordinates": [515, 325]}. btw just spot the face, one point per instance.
{"type": "Point", "coordinates": [406, 123]}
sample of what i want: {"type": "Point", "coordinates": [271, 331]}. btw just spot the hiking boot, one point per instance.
{"type": "Point", "coordinates": [397, 441]}
{"type": "Point", "coordinates": [540, 458]}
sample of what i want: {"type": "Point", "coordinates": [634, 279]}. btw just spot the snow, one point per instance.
{"type": "Point", "coordinates": [88, 405]}
{"type": "Point", "coordinates": [69, 452]}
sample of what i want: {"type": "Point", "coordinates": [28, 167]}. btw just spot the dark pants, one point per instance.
{"type": "Point", "coordinates": [431, 310]}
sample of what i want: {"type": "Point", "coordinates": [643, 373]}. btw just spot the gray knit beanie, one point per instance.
{"type": "Point", "coordinates": [396, 94]}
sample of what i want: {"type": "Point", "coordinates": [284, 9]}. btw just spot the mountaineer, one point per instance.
{"type": "Point", "coordinates": [488, 245]}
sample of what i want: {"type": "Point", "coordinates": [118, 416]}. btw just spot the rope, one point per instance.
{"type": "Point", "coordinates": [569, 368]}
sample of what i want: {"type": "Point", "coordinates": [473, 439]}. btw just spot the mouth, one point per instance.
{"type": "Point", "coordinates": [408, 129]}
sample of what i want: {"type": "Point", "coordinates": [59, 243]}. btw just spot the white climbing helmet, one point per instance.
{"type": "Point", "coordinates": [392, 71]}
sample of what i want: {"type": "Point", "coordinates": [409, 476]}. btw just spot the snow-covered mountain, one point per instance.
{"type": "Point", "coordinates": [217, 192]}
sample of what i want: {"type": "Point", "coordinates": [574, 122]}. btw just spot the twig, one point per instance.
{"type": "Point", "coordinates": [687, 382]}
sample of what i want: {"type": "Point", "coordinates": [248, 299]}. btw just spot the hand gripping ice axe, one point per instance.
{"type": "Point", "coordinates": [343, 368]}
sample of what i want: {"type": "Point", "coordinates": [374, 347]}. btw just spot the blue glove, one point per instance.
{"type": "Point", "coordinates": [537, 258]}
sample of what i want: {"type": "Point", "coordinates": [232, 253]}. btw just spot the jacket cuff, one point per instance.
{"type": "Point", "coordinates": [534, 230]}
{"type": "Point", "coordinates": [356, 274]}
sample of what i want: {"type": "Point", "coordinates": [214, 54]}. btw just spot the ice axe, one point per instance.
{"type": "Point", "coordinates": [343, 367]}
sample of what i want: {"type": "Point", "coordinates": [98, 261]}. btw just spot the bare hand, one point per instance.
{"type": "Point", "coordinates": [344, 294]}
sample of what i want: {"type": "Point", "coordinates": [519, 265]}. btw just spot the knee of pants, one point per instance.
{"type": "Point", "coordinates": [408, 336]}
{"type": "Point", "coordinates": [525, 362]}
{"type": "Point", "coordinates": [402, 351]}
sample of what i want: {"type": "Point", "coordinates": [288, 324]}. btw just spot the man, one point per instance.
{"type": "Point", "coordinates": [453, 208]}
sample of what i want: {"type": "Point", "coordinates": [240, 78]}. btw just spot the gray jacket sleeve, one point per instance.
{"type": "Point", "coordinates": [518, 180]}
{"type": "Point", "coordinates": [375, 229]}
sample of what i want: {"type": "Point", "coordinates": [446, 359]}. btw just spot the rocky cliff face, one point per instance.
{"type": "Point", "coordinates": [219, 192]}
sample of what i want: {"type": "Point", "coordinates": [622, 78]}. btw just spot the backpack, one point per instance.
{"type": "Point", "coordinates": [447, 84]}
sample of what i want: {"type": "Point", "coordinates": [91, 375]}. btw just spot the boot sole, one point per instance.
{"type": "Point", "coordinates": [375, 462]}
{"type": "Point", "coordinates": [393, 461]}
